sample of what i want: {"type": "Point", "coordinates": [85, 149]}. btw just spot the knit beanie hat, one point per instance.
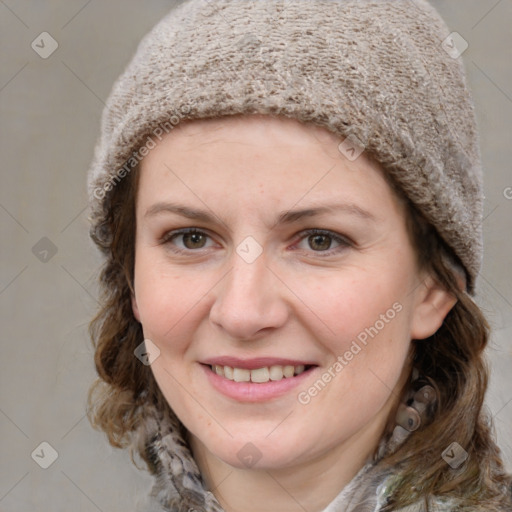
{"type": "Point", "coordinates": [384, 75]}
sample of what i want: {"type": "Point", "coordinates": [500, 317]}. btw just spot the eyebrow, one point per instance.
{"type": "Point", "coordinates": [286, 217]}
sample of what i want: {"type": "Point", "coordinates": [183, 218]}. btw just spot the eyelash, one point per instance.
{"type": "Point", "coordinates": [342, 240]}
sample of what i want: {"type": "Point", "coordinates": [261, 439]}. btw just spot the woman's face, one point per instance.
{"type": "Point", "coordinates": [278, 282]}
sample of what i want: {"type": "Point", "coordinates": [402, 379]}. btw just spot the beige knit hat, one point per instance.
{"type": "Point", "coordinates": [385, 75]}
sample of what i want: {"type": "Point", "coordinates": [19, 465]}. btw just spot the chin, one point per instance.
{"type": "Point", "coordinates": [257, 451]}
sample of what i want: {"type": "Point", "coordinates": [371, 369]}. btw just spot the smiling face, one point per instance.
{"type": "Point", "coordinates": [259, 246]}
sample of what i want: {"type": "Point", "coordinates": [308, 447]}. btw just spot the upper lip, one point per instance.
{"type": "Point", "coordinates": [254, 363]}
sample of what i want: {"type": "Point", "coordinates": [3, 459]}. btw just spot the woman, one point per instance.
{"type": "Point", "coordinates": [289, 199]}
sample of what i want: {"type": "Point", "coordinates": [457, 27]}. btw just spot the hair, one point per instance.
{"type": "Point", "coordinates": [452, 358]}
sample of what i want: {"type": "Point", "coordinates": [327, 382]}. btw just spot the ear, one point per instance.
{"type": "Point", "coordinates": [135, 308]}
{"type": "Point", "coordinates": [433, 304]}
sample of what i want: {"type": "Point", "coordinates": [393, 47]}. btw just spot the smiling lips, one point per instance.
{"type": "Point", "coordinates": [259, 375]}
{"type": "Point", "coordinates": [259, 370]}
{"type": "Point", "coordinates": [255, 380]}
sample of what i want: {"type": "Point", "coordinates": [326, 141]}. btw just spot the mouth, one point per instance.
{"type": "Point", "coordinates": [261, 375]}
{"type": "Point", "coordinates": [256, 380]}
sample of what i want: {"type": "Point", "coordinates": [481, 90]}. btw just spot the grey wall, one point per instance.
{"type": "Point", "coordinates": [50, 112]}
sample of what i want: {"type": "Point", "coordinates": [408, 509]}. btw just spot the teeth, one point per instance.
{"type": "Point", "coordinates": [288, 371]}
{"type": "Point", "coordinates": [259, 375]}
{"type": "Point", "coordinates": [299, 369]}
{"type": "Point", "coordinates": [241, 375]}
{"type": "Point", "coordinates": [276, 372]}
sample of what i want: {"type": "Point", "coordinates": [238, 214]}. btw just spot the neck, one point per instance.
{"type": "Point", "coordinates": [310, 485]}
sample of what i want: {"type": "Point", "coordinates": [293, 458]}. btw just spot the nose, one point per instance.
{"type": "Point", "coordinates": [249, 301]}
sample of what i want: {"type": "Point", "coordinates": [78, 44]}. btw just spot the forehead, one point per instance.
{"type": "Point", "coordinates": [284, 136]}
{"type": "Point", "coordinates": [259, 160]}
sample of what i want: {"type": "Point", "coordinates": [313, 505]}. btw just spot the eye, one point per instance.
{"type": "Point", "coordinates": [185, 240]}
{"type": "Point", "coordinates": [320, 240]}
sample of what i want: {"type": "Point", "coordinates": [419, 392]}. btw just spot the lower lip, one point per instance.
{"type": "Point", "coordinates": [251, 391]}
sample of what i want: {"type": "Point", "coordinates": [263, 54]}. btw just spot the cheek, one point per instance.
{"type": "Point", "coordinates": [366, 333]}
{"type": "Point", "coordinates": [363, 320]}
{"type": "Point", "coordinates": [351, 305]}
{"type": "Point", "coordinates": [167, 301]}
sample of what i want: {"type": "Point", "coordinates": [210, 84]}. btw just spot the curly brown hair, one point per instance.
{"type": "Point", "coordinates": [453, 359]}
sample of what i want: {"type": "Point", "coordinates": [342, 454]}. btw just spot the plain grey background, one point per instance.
{"type": "Point", "coordinates": [50, 113]}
